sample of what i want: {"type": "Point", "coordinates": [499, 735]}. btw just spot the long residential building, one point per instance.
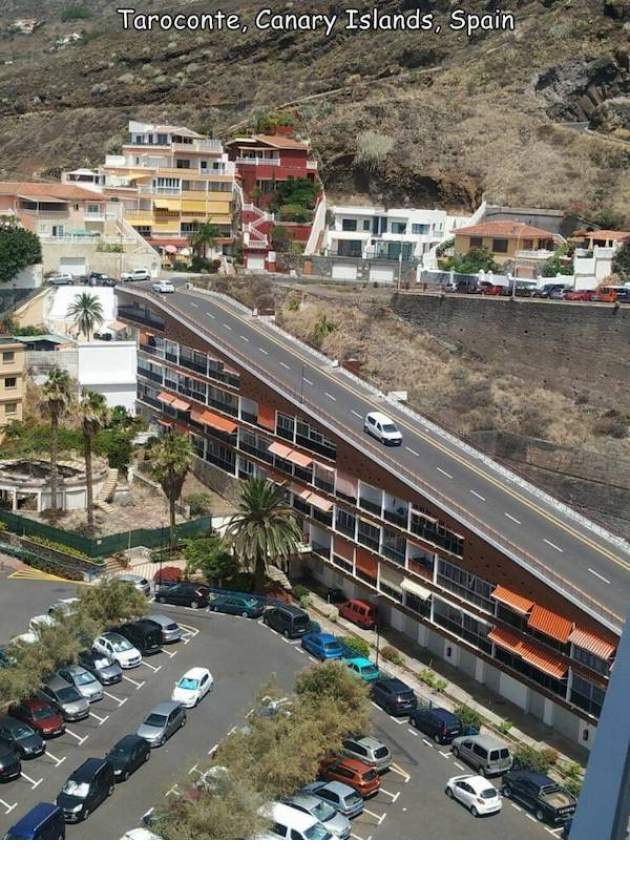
{"type": "Point", "coordinates": [473, 565]}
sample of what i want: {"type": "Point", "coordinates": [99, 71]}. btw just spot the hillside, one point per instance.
{"type": "Point", "coordinates": [465, 116]}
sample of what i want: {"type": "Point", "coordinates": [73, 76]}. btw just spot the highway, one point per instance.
{"type": "Point", "coordinates": [576, 560]}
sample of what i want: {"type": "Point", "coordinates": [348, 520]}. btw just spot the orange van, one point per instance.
{"type": "Point", "coordinates": [359, 612]}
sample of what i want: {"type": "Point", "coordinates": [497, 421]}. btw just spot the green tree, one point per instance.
{"type": "Point", "coordinates": [57, 399]}
{"type": "Point", "coordinates": [231, 813]}
{"type": "Point", "coordinates": [474, 261]}
{"type": "Point", "coordinates": [621, 261]}
{"type": "Point", "coordinates": [332, 685]}
{"type": "Point", "coordinates": [171, 460]}
{"type": "Point", "coordinates": [204, 239]}
{"type": "Point", "coordinates": [280, 238]}
{"type": "Point", "coordinates": [211, 557]}
{"type": "Point", "coordinates": [117, 446]}
{"type": "Point", "coordinates": [87, 313]}
{"type": "Point", "coordinates": [264, 530]}
{"type": "Point", "coordinates": [19, 248]}
{"type": "Point", "coordinates": [93, 413]}
{"type": "Point", "coordinates": [109, 603]}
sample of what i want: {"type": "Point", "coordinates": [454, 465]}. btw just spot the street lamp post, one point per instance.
{"type": "Point", "coordinates": [378, 637]}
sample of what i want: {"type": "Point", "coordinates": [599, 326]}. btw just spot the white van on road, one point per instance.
{"type": "Point", "coordinates": [382, 428]}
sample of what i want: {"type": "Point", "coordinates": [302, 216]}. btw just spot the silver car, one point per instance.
{"type": "Point", "coordinates": [370, 750]}
{"type": "Point", "coordinates": [341, 796]}
{"type": "Point", "coordinates": [65, 698]}
{"type": "Point", "coordinates": [140, 583]}
{"type": "Point", "coordinates": [162, 723]}
{"type": "Point", "coordinates": [171, 631]}
{"type": "Point", "coordinates": [335, 822]}
{"type": "Point", "coordinates": [87, 685]}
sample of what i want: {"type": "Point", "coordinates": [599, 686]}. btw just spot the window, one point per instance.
{"type": "Point", "coordinates": [8, 356]}
{"type": "Point", "coordinates": [393, 592]}
{"type": "Point", "coordinates": [420, 229]}
{"type": "Point", "coordinates": [499, 245]}
{"type": "Point", "coordinates": [366, 225]}
{"type": "Point", "coordinates": [285, 426]}
{"type": "Point", "coordinates": [349, 224]}
{"type": "Point", "coordinates": [279, 830]}
{"type": "Point", "coordinates": [10, 409]}
{"type": "Point", "coordinates": [437, 534]}
{"type": "Point", "coordinates": [586, 695]}
{"type": "Point", "coordinates": [369, 534]}
{"type": "Point", "coordinates": [589, 659]}
{"type": "Point", "coordinates": [465, 584]}
{"type": "Point", "coordinates": [456, 621]}
{"type": "Point", "coordinates": [528, 244]}
{"type": "Point", "coordinates": [399, 227]}
{"type": "Point", "coordinates": [476, 242]}
{"type": "Point", "coordinates": [10, 383]}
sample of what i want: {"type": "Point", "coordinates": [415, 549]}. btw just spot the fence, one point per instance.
{"type": "Point", "coordinates": [100, 547]}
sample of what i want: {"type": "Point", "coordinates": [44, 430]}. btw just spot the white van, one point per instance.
{"type": "Point", "coordinates": [291, 823]}
{"type": "Point", "coordinates": [382, 428]}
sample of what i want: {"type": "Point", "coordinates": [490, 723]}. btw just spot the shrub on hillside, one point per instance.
{"type": "Point", "coordinates": [372, 149]}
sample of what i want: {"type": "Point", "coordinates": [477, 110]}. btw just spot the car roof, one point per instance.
{"type": "Point", "coordinates": [395, 684]}
{"type": "Point", "coordinates": [368, 741]}
{"type": "Point", "coordinates": [290, 817]}
{"type": "Point", "coordinates": [446, 715]}
{"type": "Point", "coordinates": [337, 787]}
{"type": "Point", "coordinates": [108, 634]}
{"type": "Point", "coordinates": [356, 764]}
{"type": "Point", "coordinates": [73, 668]}
{"type": "Point", "coordinates": [360, 662]}
{"type": "Point", "coordinates": [10, 722]}
{"type": "Point", "coordinates": [536, 777]}
{"type": "Point", "coordinates": [487, 741]}
{"type": "Point", "coordinates": [164, 708]}
{"type": "Point", "coordinates": [87, 769]}
{"type": "Point", "coordinates": [477, 782]}
{"type": "Point", "coordinates": [56, 682]}
{"type": "Point", "coordinates": [128, 741]}
{"type": "Point", "coordinates": [37, 815]}
{"type": "Point", "coordinates": [162, 620]}
{"type": "Point", "coordinates": [129, 576]}
{"type": "Point", "coordinates": [195, 673]}
{"type": "Point", "coordinates": [380, 417]}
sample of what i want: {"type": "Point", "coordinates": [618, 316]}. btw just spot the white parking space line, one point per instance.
{"type": "Point", "coordinates": [151, 667]}
{"type": "Point", "coordinates": [133, 682]}
{"type": "Point", "coordinates": [194, 768]}
{"type": "Point", "coordinates": [262, 350]}
{"type": "Point", "coordinates": [413, 451]}
{"type": "Point", "coordinates": [477, 495]}
{"type": "Point", "coordinates": [352, 836]}
{"type": "Point", "coordinates": [601, 577]}
{"type": "Point", "coordinates": [299, 650]}
{"type": "Point", "coordinates": [379, 817]}
{"type": "Point", "coordinates": [330, 396]}
{"type": "Point", "coordinates": [9, 808]}
{"type": "Point", "coordinates": [446, 755]}
{"type": "Point", "coordinates": [119, 701]}
{"type": "Point", "coordinates": [513, 518]}
{"type": "Point", "coordinates": [172, 790]}
{"type": "Point", "coordinates": [193, 631]}
{"type": "Point", "coordinates": [555, 546]}
{"type": "Point", "coordinates": [356, 414]}
{"type": "Point", "coordinates": [517, 807]}
{"type": "Point", "coordinates": [56, 759]}
{"type": "Point", "coordinates": [211, 315]}
{"type": "Point", "coordinates": [35, 784]}
{"type": "Point", "coordinates": [554, 833]}
{"type": "Point", "coordinates": [411, 731]}
{"type": "Point", "coordinates": [171, 654]}
{"type": "Point", "coordinates": [398, 721]}
{"type": "Point", "coordinates": [243, 337]}
{"type": "Point", "coordinates": [459, 765]}
{"type": "Point", "coordinates": [428, 743]}
{"type": "Point", "coordinates": [100, 719]}
{"type": "Point", "coordinates": [392, 796]}
{"type": "Point", "coordinates": [80, 739]}
{"type": "Point", "coordinates": [531, 817]}
{"type": "Point", "coordinates": [227, 327]}
{"type": "Point", "coordinates": [400, 771]}
{"type": "Point", "coordinates": [212, 750]}
{"type": "Point", "coordinates": [376, 706]}
{"type": "Point", "coordinates": [308, 381]}
{"type": "Point", "coordinates": [285, 366]}
{"type": "Point", "coordinates": [444, 473]}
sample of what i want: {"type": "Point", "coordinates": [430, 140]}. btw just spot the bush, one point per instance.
{"type": "Point", "coordinates": [468, 716]}
{"type": "Point", "coordinates": [75, 13]}
{"type": "Point", "coordinates": [199, 503]}
{"type": "Point", "coordinates": [432, 680]}
{"type": "Point", "coordinates": [506, 726]}
{"type": "Point", "coordinates": [301, 593]}
{"type": "Point", "coordinates": [391, 654]}
{"type": "Point", "coordinates": [611, 423]}
{"type": "Point", "coordinates": [372, 150]}
{"type": "Point", "coordinates": [538, 760]}
{"type": "Point", "coordinates": [359, 646]}
{"type": "Point", "coordinates": [63, 548]}
{"type": "Point", "coordinates": [19, 248]}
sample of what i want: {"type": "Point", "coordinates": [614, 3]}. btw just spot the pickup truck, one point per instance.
{"type": "Point", "coordinates": [549, 801]}
{"type": "Point", "coordinates": [137, 275]}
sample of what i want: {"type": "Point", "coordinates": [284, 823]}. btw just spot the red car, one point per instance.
{"type": "Point", "coordinates": [488, 289]}
{"type": "Point", "coordinates": [40, 715]}
{"type": "Point", "coordinates": [359, 775]}
{"type": "Point", "coordinates": [359, 612]}
{"type": "Point", "coordinates": [582, 295]}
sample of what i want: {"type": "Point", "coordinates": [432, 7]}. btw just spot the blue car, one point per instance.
{"type": "Point", "coordinates": [323, 646]}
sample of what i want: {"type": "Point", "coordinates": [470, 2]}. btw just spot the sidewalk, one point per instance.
{"type": "Point", "coordinates": [460, 689]}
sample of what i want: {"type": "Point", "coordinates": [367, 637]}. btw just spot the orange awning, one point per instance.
{"type": "Point", "coordinates": [320, 503]}
{"type": "Point", "coordinates": [166, 422]}
{"type": "Point", "coordinates": [180, 404]}
{"type": "Point", "coordinates": [166, 398]}
{"type": "Point", "coordinates": [267, 416]}
{"type": "Point", "coordinates": [593, 643]}
{"type": "Point", "coordinates": [279, 449]}
{"type": "Point", "coordinates": [544, 660]}
{"type": "Point", "coordinates": [298, 458]}
{"type": "Point", "coordinates": [550, 623]}
{"type": "Point", "coordinates": [506, 639]}
{"type": "Point", "coordinates": [367, 562]}
{"type": "Point", "coordinates": [343, 548]}
{"type": "Point", "coordinates": [204, 416]}
{"type": "Point", "coordinates": [513, 600]}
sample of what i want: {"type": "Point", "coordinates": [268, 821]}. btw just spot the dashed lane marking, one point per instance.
{"type": "Point", "coordinates": [194, 768]}
{"type": "Point", "coordinates": [308, 381]}
{"type": "Point", "coordinates": [34, 784]}
{"type": "Point", "coordinates": [531, 817]}
{"type": "Point", "coordinates": [555, 546]}
{"type": "Point", "coordinates": [244, 338]}
{"type": "Point", "coordinates": [446, 755]}
{"type": "Point", "coordinates": [330, 396]}
{"type": "Point", "coordinates": [477, 495]}
{"type": "Point", "coordinates": [413, 451]}
{"type": "Point", "coordinates": [211, 315]}
{"type": "Point", "coordinates": [119, 701]}
{"type": "Point", "coordinates": [8, 808]}
{"type": "Point", "coordinates": [444, 473]}
{"type": "Point", "coordinates": [356, 414]}
{"type": "Point", "coordinates": [411, 731]}
{"type": "Point", "coordinates": [56, 759]}
{"type": "Point", "coordinates": [299, 650]}
{"type": "Point", "coordinates": [192, 630]}
{"type": "Point", "coordinates": [597, 575]}
{"type": "Point", "coordinates": [554, 833]}
{"type": "Point", "coordinates": [459, 765]}
{"type": "Point", "coordinates": [227, 327]}
{"type": "Point", "coordinates": [262, 350]}
{"type": "Point", "coordinates": [77, 737]}
{"type": "Point", "coordinates": [398, 721]}
{"type": "Point", "coordinates": [376, 706]}
{"type": "Point", "coordinates": [133, 681]}
{"type": "Point", "coordinates": [354, 836]}
{"type": "Point", "coordinates": [285, 366]}
{"type": "Point", "coordinates": [513, 518]}
{"type": "Point", "coordinates": [517, 807]}
{"type": "Point", "coordinates": [99, 719]}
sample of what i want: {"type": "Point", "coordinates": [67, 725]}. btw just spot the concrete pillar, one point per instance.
{"type": "Point", "coordinates": [480, 670]}
{"type": "Point", "coordinates": [548, 707]}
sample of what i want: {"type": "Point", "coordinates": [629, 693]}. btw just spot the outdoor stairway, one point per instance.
{"type": "Point", "coordinates": [107, 491]}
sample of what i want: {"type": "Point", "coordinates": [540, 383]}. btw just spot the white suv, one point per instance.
{"type": "Point", "coordinates": [382, 428]}
{"type": "Point", "coordinates": [135, 276]}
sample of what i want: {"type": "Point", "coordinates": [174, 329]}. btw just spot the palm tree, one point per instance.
{"type": "Point", "coordinates": [87, 312]}
{"type": "Point", "coordinates": [203, 239]}
{"type": "Point", "coordinates": [93, 412]}
{"type": "Point", "coordinates": [264, 529]}
{"type": "Point", "coordinates": [57, 395]}
{"type": "Point", "coordinates": [171, 459]}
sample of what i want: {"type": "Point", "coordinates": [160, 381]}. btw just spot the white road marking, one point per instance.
{"type": "Point", "coordinates": [194, 768]}
{"type": "Point", "coordinates": [299, 650]}
{"type": "Point", "coordinates": [400, 771]}
{"type": "Point", "coordinates": [555, 546]}
{"type": "Point", "coordinates": [411, 731]}
{"type": "Point", "coordinates": [171, 654]}
{"type": "Point", "coordinates": [100, 719]}
{"type": "Point", "coordinates": [531, 817]}
{"type": "Point", "coordinates": [9, 808]}
{"type": "Point", "coordinates": [78, 738]}
{"type": "Point", "coordinates": [147, 812]}
{"type": "Point", "coordinates": [413, 451]}
{"type": "Point", "coordinates": [285, 366]}
{"type": "Point", "coordinates": [601, 577]}
{"type": "Point", "coordinates": [356, 414]}
{"type": "Point", "coordinates": [330, 396]}
{"type": "Point", "coordinates": [517, 807]}
{"type": "Point", "coordinates": [554, 833]}
{"type": "Point", "coordinates": [393, 796]}
{"type": "Point", "coordinates": [446, 755]}
{"type": "Point", "coordinates": [262, 350]}
{"type": "Point", "coordinates": [193, 630]}
{"type": "Point", "coordinates": [227, 327]}
{"type": "Point", "coordinates": [173, 790]}
{"type": "Point", "coordinates": [477, 495]}
{"type": "Point", "coordinates": [133, 681]}
{"type": "Point", "coordinates": [284, 639]}
{"type": "Point", "coordinates": [308, 381]}
{"type": "Point", "coordinates": [379, 817]}
{"type": "Point", "coordinates": [56, 760]}
{"type": "Point", "coordinates": [352, 836]}
{"type": "Point", "coordinates": [211, 315]}
{"type": "Point", "coordinates": [398, 721]}
{"type": "Point", "coordinates": [458, 765]}
{"type": "Point", "coordinates": [151, 667]}
{"type": "Point", "coordinates": [119, 701]}
{"type": "Point", "coordinates": [513, 518]}
{"type": "Point", "coordinates": [243, 338]}
{"type": "Point", "coordinates": [428, 743]}
{"type": "Point", "coordinates": [35, 784]}
{"type": "Point", "coordinates": [376, 706]}
{"type": "Point", "coordinates": [444, 473]}
{"type": "Point", "coordinates": [212, 750]}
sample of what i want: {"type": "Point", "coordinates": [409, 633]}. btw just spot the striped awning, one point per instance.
{"type": "Point", "coordinates": [279, 449]}
{"type": "Point", "coordinates": [550, 623]}
{"type": "Point", "coordinates": [180, 404]}
{"type": "Point", "coordinates": [602, 648]}
{"type": "Point", "coordinates": [506, 639]}
{"type": "Point", "coordinates": [545, 661]}
{"type": "Point", "coordinates": [298, 458]}
{"type": "Point", "coordinates": [204, 416]}
{"type": "Point", "coordinates": [512, 600]}
{"type": "Point", "coordinates": [166, 397]}
{"type": "Point", "coordinates": [320, 503]}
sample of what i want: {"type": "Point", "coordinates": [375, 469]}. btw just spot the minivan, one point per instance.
{"type": "Point", "coordinates": [43, 821]}
{"type": "Point", "coordinates": [86, 788]}
{"type": "Point", "coordinates": [382, 428]}
{"type": "Point", "coordinates": [289, 620]}
{"type": "Point", "coordinates": [437, 723]}
{"type": "Point", "coordinates": [144, 635]}
{"type": "Point", "coordinates": [394, 696]}
{"type": "Point", "coordinates": [287, 822]}
{"type": "Point", "coordinates": [359, 612]}
{"type": "Point", "coordinates": [489, 755]}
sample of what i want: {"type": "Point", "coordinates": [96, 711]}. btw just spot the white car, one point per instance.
{"type": "Point", "coordinates": [163, 287]}
{"type": "Point", "coordinates": [41, 621]}
{"type": "Point", "coordinates": [476, 793]}
{"type": "Point", "coordinates": [116, 648]}
{"type": "Point", "coordinates": [140, 834]}
{"type": "Point", "coordinates": [136, 275]}
{"type": "Point", "coordinates": [382, 428]}
{"type": "Point", "coordinates": [192, 687]}
{"type": "Point", "coordinates": [292, 823]}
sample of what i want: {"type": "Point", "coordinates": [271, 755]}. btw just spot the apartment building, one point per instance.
{"type": "Point", "coordinates": [12, 381]}
{"type": "Point", "coordinates": [54, 211]}
{"type": "Point", "coordinates": [170, 180]}
{"type": "Point", "coordinates": [374, 536]}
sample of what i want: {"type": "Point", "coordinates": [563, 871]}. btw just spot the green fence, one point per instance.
{"type": "Point", "coordinates": [99, 547]}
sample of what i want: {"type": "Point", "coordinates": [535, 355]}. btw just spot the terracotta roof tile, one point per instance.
{"type": "Point", "coordinates": [42, 189]}
{"type": "Point", "coordinates": [509, 229]}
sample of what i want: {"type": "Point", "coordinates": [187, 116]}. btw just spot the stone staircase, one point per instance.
{"type": "Point", "coordinates": [107, 491]}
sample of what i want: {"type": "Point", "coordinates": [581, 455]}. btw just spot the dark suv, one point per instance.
{"type": "Point", "coordinates": [184, 593]}
{"type": "Point", "coordinates": [394, 696]}
{"type": "Point", "coordinates": [144, 635]}
{"type": "Point", "coordinates": [289, 620]}
{"type": "Point", "coordinates": [86, 788]}
{"type": "Point", "coordinates": [439, 724]}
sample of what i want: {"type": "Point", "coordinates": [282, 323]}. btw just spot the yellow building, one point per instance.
{"type": "Point", "coordinates": [504, 239]}
{"type": "Point", "coordinates": [170, 180]}
{"type": "Point", "coordinates": [12, 381]}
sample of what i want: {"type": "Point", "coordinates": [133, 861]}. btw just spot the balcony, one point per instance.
{"type": "Point", "coordinates": [396, 555]}
{"type": "Point", "coordinates": [320, 549]}
{"type": "Point", "coordinates": [223, 406]}
{"type": "Point", "coordinates": [249, 417]}
{"type": "Point", "coordinates": [324, 518]}
{"type": "Point", "coordinates": [396, 517]}
{"type": "Point", "coordinates": [138, 315]}
{"type": "Point", "coordinates": [371, 506]}
{"type": "Point", "coordinates": [323, 484]}
{"type": "Point", "coordinates": [368, 540]}
{"type": "Point", "coordinates": [258, 161]}
{"type": "Point", "coordinates": [261, 453]}
{"type": "Point", "coordinates": [420, 567]}
{"type": "Point", "coordinates": [321, 448]}
{"type": "Point", "coordinates": [152, 376]}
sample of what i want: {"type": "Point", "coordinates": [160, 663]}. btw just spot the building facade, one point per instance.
{"type": "Point", "coordinates": [12, 381]}
{"type": "Point", "coordinates": [507, 241]}
{"type": "Point", "coordinates": [372, 536]}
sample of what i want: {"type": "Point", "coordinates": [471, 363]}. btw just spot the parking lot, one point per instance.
{"type": "Point", "coordinates": [241, 655]}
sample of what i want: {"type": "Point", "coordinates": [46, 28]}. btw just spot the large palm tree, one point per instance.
{"type": "Point", "coordinates": [204, 238]}
{"type": "Point", "coordinates": [264, 530]}
{"type": "Point", "coordinates": [171, 459]}
{"type": "Point", "coordinates": [93, 412]}
{"type": "Point", "coordinates": [87, 312]}
{"type": "Point", "coordinates": [57, 396]}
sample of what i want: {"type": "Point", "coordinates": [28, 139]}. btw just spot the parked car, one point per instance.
{"type": "Point", "coordinates": [184, 593]}
{"type": "Point", "coordinates": [100, 279]}
{"type": "Point", "coordinates": [368, 749]}
{"type": "Point", "coordinates": [40, 715]}
{"type": "Point", "coordinates": [335, 822]}
{"type": "Point", "coordinates": [437, 723]}
{"type": "Point", "coordinates": [192, 687]}
{"type": "Point", "coordinates": [476, 793]}
{"type": "Point", "coordinates": [359, 775]}
{"type": "Point", "coordinates": [364, 668]}
{"type": "Point", "coordinates": [289, 620]}
{"type": "Point", "coordinates": [140, 834]}
{"type": "Point", "coordinates": [394, 696]}
{"type": "Point", "coordinates": [89, 785]}
{"type": "Point", "coordinates": [162, 723]}
{"type": "Point", "coordinates": [171, 631]}
{"type": "Point", "coordinates": [579, 295]}
{"type": "Point", "coordinates": [359, 612]}
{"type": "Point", "coordinates": [26, 742]}
{"type": "Point", "coordinates": [489, 755]}
{"type": "Point", "coordinates": [167, 576]}
{"type": "Point", "coordinates": [10, 765]}
{"type": "Point", "coordinates": [557, 294]}
{"type": "Point", "coordinates": [116, 648]}
{"type": "Point", "coordinates": [85, 683]}
{"type": "Point", "coordinates": [492, 289]}
{"type": "Point", "coordinates": [66, 698]}
{"type": "Point", "coordinates": [323, 646]}
{"type": "Point", "coordinates": [128, 755]}
{"type": "Point", "coordinates": [292, 823]}
{"type": "Point", "coordinates": [143, 635]}
{"type": "Point", "coordinates": [340, 795]}
{"type": "Point", "coordinates": [43, 821]}
{"type": "Point", "coordinates": [549, 288]}
{"type": "Point", "coordinates": [135, 276]}
{"type": "Point", "coordinates": [95, 662]}
{"type": "Point", "coordinates": [547, 799]}
{"type": "Point", "coordinates": [60, 279]}
{"type": "Point", "coordinates": [143, 585]}
{"type": "Point", "coordinates": [163, 287]}
{"type": "Point", "coordinates": [63, 606]}
{"type": "Point", "coordinates": [382, 428]}
{"type": "Point", "coordinates": [242, 604]}
{"type": "Point", "coordinates": [623, 294]}
{"type": "Point", "coordinates": [607, 294]}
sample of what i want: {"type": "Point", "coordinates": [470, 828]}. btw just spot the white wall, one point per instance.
{"type": "Point", "coordinates": [110, 368]}
{"type": "Point", "coordinates": [59, 300]}
{"type": "Point", "coordinates": [29, 278]}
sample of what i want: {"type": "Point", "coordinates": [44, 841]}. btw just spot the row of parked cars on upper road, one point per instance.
{"type": "Point", "coordinates": [555, 291]}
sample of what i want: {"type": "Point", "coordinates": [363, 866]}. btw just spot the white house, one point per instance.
{"type": "Point", "coordinates": [110, 368]}
{"type": "Point", "coordinates": [592, 260]}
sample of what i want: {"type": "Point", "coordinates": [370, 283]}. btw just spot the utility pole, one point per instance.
{"type": "Point", "coordinates": [378, 637]}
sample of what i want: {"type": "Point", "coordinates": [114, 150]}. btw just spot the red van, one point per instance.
{"type": "Point", "coordinates": [359, 612]}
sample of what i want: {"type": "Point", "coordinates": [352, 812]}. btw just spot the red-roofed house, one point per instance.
{"type": "Point", "coordinates": [504, 239]}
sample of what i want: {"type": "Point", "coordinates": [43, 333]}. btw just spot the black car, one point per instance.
{"type": "Point", "coordinates": [144, 635]}
{"type": "Point", "coordinates": [236, 604]}
{"type": "Point", "coordinates": [10, 765]}
{"type": "Point", "coordinates": [26, 742]}
{"type": "Point", "coordinates": [394, 696]}
{"type": "Point", "coordinates": [101, 279]}
{"type": "Point", "coordinates": [86, 788]}
{"type": "Point", "coordinates": [545, 797]}
{"type": "Point", "coordinates": [184, 593]}
{"type": "Point", "coordinates": [107, 672]}
{"type": "Point", "coordinates": [440, 724]}
{"type": "Point", "coordinates": [128, 755]}
{"type": "Point", "coordinates": [289, 620]}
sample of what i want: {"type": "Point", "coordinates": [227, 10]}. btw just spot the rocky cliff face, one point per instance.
{"type": "Point", "coordinates": [465, 115]}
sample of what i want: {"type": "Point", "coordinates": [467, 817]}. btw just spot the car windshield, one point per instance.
{"type": "Point", "coordinates": [155, 719]}
{"type": "Point", "coordinates": [101, 663]}
{"type": "Point", "coordinates": [68, 694]}
{"type": "Point", "coordinates": [323, 811]}
{"type": "Point", "coordinates": [317, 831]}
{"type": "Point", "coordinates": [42, 713]}
{"type": "Point", "coordinates": [188, 684]}
{"type": "Point", "coordinates": [21, 731]}
{"type": "Point", "coordinates": [369, 775]}
{"type": "Point", "coordinates": [370, 670]}
{"type": "Point", "coordinates": [83, 678]}
{"type": "Point", "coordinates": [489, 793]}
{"type": "Point", "coordinates": [389, 428]}
{"type": "Point", "coordinates": [120, 644]}
{"type": "Point", "coordinates": [74, 788]}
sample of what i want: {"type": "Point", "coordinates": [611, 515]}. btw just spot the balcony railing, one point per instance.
{"type": "Point", "coordinates": [366, 504]}
{"type": "Point", "coordinates": [393, 516]}
{"type": "Point", "coordinates": [420, 568]}
{"type": "Point", "coordinates": [152, 376]}
{"type": "Point", "coordinates": [320, 549]}
{"type": "Point", "coordinates": [258, 161]}
{"type": "Point", "coordinates": [323, 484]}
{"type": "Point", "coordinates": [393, 553]}
{"type": "Point", "coordinates": [261, 453]}
{"type": "Point", "coordinates": [138, 315]}
{"type": "Point", "coordinates": [320, 516]}
{"type": "Point", "coordinates": [368, 540]}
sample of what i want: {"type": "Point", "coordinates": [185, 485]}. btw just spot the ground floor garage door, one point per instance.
{"type": "Point", "coordinates": [344, 272]}
{"type": "Point", "coordinates": [75, 266]}
{"type": "Point", "coordinates": [255, 262]}
{"type": "Point", "coordinates": [381, 274]}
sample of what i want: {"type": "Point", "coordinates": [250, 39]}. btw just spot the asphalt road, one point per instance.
{"type": "Point", "coordinates": [241, 655]}
{"type": "Point", "coordinates": [566, 555]}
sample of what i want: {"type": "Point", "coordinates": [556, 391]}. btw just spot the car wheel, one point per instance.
{"type": "Point", "coordinates": [285, 633]}
{"type": "Point", "coordinates": [194, 604]}
{"type": "Point", "coordinates": [147, 756]}
{"type": "Point", "coordinates": [162, 741]}
{"type": "Point", "coordinates": [125, 776]}
{"type": "Point", "coordinates": [244, 615]}
{"type": "Point", "coordinates": [456, 752]}
{"type": "Point", "coordinates": [159, 599]}
{"type": "Point", "coordinates": [482, 771]}
{"type": "Point", "coordinates": [506, 792]}
{"type": "Point", "coordinates": [473, 811]}
{"type": "Point", "coordinates": [85, 814]}
{"type": "Point", "coordinates": [540, 816]}
{"type": "Point", "coordinates": [111, 788]}
{"type": "Point", "coordinates": [449, 792]}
